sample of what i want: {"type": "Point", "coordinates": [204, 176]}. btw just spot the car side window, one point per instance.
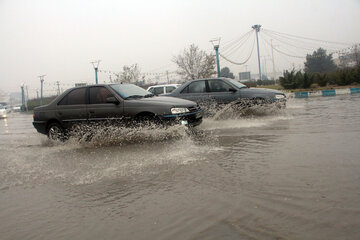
{"type": "Point", "coordinates": [158, 90]}
{"type": "Point", "coordinates": [169, 89]}
{"type": "Point", "coordinates": [98, 95]}
{"type": "Point", "coordinates": [195, 87]}
{"type": "Point", "coordinates": [75, 97]}
{"type": "Point", "coordinates": [218, 86]}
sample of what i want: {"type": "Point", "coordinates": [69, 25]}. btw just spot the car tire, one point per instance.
{"type": "Point", "coordinates": [148, 120]}
{"type": "Point", "coordinates": [55, 132]}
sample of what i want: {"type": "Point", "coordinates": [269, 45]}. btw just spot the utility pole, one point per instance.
{"type": "Point", "coordinates": [257, 29]}
{"type": "Point", "coordinates": [167, 76]}
{"type": "Point", "coordinates": [22, 96]}
{"type": "Point", "coordinates": [41, 89]}
{"type": "Point", "coordinates": [273, 61]}
{"type": "Point", "coordinates": [216, 44]}
{"type": "Point", "coordinates": [265, 59]}
{"type": "Point", "coordinates": [58, 87]}
{"type": "Point", "coordinates": [27, 93]}
{"type": "Point", "coordinates": [96, 68]}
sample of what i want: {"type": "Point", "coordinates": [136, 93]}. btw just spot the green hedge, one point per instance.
{"type": "Point", "coordinates": [32, 103]}
{"type": "Point", "coordinates": [340, 77]}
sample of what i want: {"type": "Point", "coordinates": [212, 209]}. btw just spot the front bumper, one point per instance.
{"type": "Point", "coordinates": [191, 119]}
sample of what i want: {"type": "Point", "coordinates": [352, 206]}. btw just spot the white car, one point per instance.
{"type": "Point", "coordinates": [3, 112]}
{"type": "Point", "coordinates": [163, 89]}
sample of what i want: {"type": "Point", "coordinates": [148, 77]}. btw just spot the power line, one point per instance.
{"type": "Point", "coordinates": [282, 51]}
{"type": "Point", "coordinates": [238, 44]}
{"type": "Point", "coordinates": [274, 37]}
{"type": "Point", "coordinates": [312, 39]}
{"type": "Point", "coordinates": [239, 63]}
{"type": "Point", "coordinates": [230, 43]}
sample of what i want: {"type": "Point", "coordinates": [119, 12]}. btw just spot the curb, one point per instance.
{"type": "Point", "coordinates": [324, 93]}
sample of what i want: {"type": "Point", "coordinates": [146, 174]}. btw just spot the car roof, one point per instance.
{"type": "Point", "coordinates": [100, 85]}
{"type": "Point", "coordinates": [166, 85]}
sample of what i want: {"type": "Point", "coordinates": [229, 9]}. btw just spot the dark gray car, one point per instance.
{"type": "Point", "coordinates": [120, 103]}
{"type": "Point", "coordinates": [225, 90]}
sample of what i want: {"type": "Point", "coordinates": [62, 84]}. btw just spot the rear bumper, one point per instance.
{"type": "Point", "coordinates": [40, 126]}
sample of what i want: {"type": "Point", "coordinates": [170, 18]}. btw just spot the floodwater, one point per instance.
{"type": "Point", "coordinates": [292, 174]}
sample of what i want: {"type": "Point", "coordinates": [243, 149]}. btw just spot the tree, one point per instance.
{"type": "Point", "coordinates": [225, 72]}
{"type": "Point", "coordinates": [308, 79]}
{"type": "Point", "coordinates": [130, 74]}
{"type": "Point", "coordinates": [292, 80]}
{"type": "Point", "coordinates": [319, 62]}
{"type": "Point", "coordinates": [195, 63]}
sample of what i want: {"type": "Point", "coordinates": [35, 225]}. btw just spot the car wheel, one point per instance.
{"type": "Point", "coordinates": [147, 120]}
{"type": "Point", "coordinates": [56, 132]}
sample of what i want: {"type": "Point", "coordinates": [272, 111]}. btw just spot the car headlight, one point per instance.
{"type": "Point", "coordinates": [179, 110]}
{"type": "Point", "coordinates": [279, 96]}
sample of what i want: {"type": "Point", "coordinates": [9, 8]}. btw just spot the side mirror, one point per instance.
{"type": "Point", "coordinates": [112, 100]}
{"type": "Point", "coordinates": [232, 90]}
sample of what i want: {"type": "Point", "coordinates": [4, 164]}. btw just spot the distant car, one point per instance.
{"type": "Point", "coordinates": [3, 112]}
{"type": "Point", "coordinates": [225, 90]}
{"type": "Point", "coordinates": [16, 108]}
{"type": "Point", "coordinates": [163, 89]}
{"type": "Point", "coordinates": [115, 103]}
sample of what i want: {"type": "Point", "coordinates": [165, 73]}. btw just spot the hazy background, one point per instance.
{"type": "Point", "coordinates": [60, 38]}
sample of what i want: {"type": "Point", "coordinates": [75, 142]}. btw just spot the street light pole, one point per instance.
{"type": "Point", "coordinates": [216, 44]}
{"type": "Point", "coordinates": [22, 96]}
{"type": "Point", "coordinates": [96, 68]}
{"type": "Point", "coordinates": [257, 29]}
{"type": "Point", "coordinates": [41, 89]}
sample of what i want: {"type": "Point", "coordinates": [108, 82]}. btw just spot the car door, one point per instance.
{"type": "Point", "coordinates": [99, 109]}
{"type": "Point", "coordinates": [221, 92]}
{"type": "Point", "coordinates": [169, 89]}
{"type": "Point", "coordinates": [195, 91]}
{"type": "Point", "coordinates": [158, 90]}
{"type": "Point", "coordinates": [71, 109]}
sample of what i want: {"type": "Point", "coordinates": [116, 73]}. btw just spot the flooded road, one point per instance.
{"type": "Point", "coordinates": [293, 174]}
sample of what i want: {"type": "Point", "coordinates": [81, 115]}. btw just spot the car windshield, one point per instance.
{"type": "Point", "coordinates": [128, 91]}
{"type": "Point", "coordinates": [237, 84]}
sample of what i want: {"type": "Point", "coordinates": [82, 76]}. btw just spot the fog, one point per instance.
{"type": "Point", "coordinates": [61, 38]}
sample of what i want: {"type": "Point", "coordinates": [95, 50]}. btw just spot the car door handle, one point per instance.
{"type": "Point", "coordinates": [92, 111]}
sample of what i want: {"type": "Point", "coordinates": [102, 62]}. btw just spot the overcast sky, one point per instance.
{"type": "Point", "coordinates": [60, 38]}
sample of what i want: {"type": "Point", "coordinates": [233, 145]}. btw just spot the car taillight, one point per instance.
{"type": "Point", "coordinates": [34, 116]}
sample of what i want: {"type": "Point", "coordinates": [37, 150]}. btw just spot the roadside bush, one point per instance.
{"type": "Point", "coordinates": [321, 79]}
{"type": "Point", "coordinates": [357, 74]}
{"type": "Point", "coordinates": [308, 80]}
{"type": "Point", "coordinates": [341, 77]}
{"type": "Point", "coordinates": [265, 82]}
{"type": "Point", "coordinates": [292, 80]}
{"type": "Point", "coordinates": [250, 84]}
{"type": "Point", "coordinates": [288, 81]}
{"type": "Point", "coordinates": [31, 104]}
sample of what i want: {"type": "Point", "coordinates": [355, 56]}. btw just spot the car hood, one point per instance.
{"type": "Point", "coordinates": [263, 91]}
{"type": "Point", "coordinates": [164, 100]}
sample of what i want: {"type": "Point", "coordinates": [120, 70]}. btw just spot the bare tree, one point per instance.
{"type": "Point", "coordinates": [195, 63]}
{"type": "Point", "coordinates": [130, 74]}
